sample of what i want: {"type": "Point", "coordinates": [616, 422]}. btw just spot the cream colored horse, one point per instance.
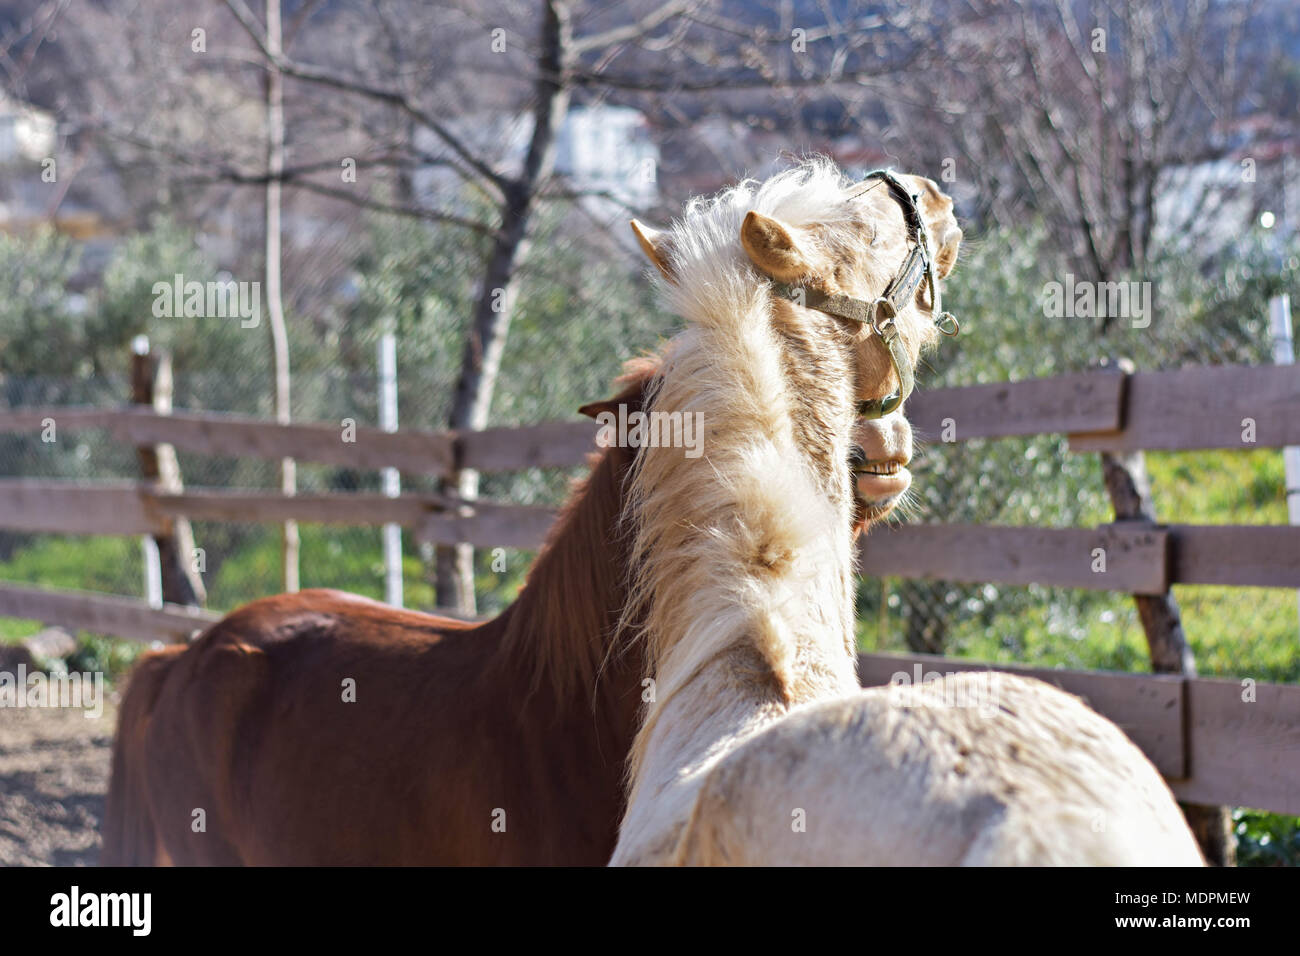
{"type": "Point", "coordinates": [759, 746]}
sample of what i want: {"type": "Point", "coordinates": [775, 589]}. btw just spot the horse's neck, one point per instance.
{"type": "Point", "coordinates": [706, 719]}
{"type": "Point", "coordinates": [745, 567]}
{"type": "Point", "coordinates": [558, 633]}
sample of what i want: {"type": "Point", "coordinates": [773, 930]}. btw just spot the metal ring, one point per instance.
{"type": "Point", "coordinates": [877, 307]}
{"type": "Point", "coordinates": [947, 324]}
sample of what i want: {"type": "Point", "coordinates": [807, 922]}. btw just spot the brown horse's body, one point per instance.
{"type": "Point", "coordinates": [501, 743]}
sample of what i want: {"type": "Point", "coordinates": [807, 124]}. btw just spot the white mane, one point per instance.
{"type": "Point", "coordinates": [722, 563]}
{"type": "Point", "coordinates": [715, 281]}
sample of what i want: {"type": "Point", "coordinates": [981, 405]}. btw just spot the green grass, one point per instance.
{"type": "Point", "coordinates": [109, 564]}
{"type": "Point", "coordinates": [92, 563]}
{"type": "Point", "coordinates": [12, 630]}
{"type": "Point", "coordinates": [346, 558]}
{"type": "Point", "coordinates": [1219, 487]}
{"type": "Point", "coordinates": [1234, 632]}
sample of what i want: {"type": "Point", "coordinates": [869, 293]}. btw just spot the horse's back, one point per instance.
{"type": "Point", "coordinates": [972, 769]}
{"type": "Point", "coordinates": [327, 729]}
{"type": "Point", "coordinates": [283, 735]}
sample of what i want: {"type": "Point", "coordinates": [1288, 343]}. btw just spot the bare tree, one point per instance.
{"type": "Point", "coordinates": [1079, 113]}
{"type": "Point", "coordinates": [401, 88]}
{"type": "Point", "coordinates": [513, 199]}
{"type": "Point", "coordinates": [500, 288]}
{"type": "Point", "coordinates": [274, 85]}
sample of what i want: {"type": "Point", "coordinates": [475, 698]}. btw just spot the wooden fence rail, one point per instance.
{"type": "Point", "coordinates": [1132, 560]}
{"type": "Point", "coordinates": [1082, 402]}
{"type": "Point", "coordinates": [1129, 557]}
{"type": "Point", "coordinates": [1192, 409]}
{"type": "Point", "coordinates": [1138, 558]}
{"type": "Point", "coordinates": [553, 444]}
{"type": "Point", "coordinates": [103, 613]}
{"type": "Point", "coordinates": [1189, 409]}
{"type": "Point", "coordinates": [72, 507]}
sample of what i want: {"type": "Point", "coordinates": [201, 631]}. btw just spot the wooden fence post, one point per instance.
{"type": "Point", "coordinates": [1129, 487]}
{"type": "Point", "coordinates": [151, 385]}
{"type": "Point", "coordinates": [390, 477]}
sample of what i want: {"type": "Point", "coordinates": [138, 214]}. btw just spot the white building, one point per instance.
{"type": "Point", "coordinates": [25, 132]}
{"type": "Point", "coordinates": [608, 149]}
{"type": "Point", "coordinates": [602, 150]}
{"type": "Point", "coordinates": [1209, 205]}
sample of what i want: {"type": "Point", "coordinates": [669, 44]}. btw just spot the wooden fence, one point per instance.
{"type": "Point", "coordinates": [1217, 741]}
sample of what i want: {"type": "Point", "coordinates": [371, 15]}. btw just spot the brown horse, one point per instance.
{"type": "Point", "coordinates": [325, 728]}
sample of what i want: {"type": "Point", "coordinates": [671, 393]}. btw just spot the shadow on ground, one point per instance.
{"type": "Point", "coordinates": [53, 777]}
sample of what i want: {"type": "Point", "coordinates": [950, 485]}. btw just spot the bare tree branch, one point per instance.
{"type": "Point", "coordinates": [632, 31]}
{"type": "Point", "coordinates": [315, 74]}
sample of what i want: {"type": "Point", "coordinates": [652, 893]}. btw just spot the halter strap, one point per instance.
{"type": "Point", "coordinates": [880, 314]}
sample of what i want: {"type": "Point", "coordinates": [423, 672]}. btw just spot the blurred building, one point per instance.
{"type": "Point", "coordinates": [1207, 205]}
{"type": "Point", "coordinates": [605, 153]}
{"type": "Point", "coordinates": [26, 133]}
{"type": "Point", "coordinates": [35, 175]}
{"type": "Point", "coordinates": [608, 150]}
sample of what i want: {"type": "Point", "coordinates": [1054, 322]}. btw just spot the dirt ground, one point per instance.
{"type": "Point", "coordinates": [53, 777]}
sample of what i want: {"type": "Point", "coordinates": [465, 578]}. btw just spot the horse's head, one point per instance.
{"type": "Point", "coordinates": [875, 263]}
{"type": "Point", "coordinates": [871, 255]}
{"type": "Point", "coordinates": [874, 260]}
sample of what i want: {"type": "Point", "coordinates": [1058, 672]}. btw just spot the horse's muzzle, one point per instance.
{"type": "Point", "coordinates": [878, 461]}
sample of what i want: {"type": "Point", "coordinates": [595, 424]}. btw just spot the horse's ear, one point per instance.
{"type": "Point", "coordinates": [632, 385]}
{"type": "Point", "coordinates": [946, 255]}
{"type": "Point", "coordinates": [936, 207]}
{"type": "Point", "coordinates": [772, 247]}
{"type": "Point", "coordinates": [655, 246]}
{"type": "Point", "coordinates": [594, 409]}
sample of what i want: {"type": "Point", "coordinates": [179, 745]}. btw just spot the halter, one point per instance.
{"type": "Point", "coordinates": [880, 313]}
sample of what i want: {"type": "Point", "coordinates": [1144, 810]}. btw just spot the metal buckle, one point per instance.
{"type": "Point", "coordinates": [888, 325]}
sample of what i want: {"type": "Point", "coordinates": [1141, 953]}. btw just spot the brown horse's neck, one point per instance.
{"type": "Point", "coordinates": [558, 633]}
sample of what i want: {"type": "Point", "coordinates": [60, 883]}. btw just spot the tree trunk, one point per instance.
{"type": "Point", "coordinates": [274, 302]}
{"type": "Point", "coordinates": [454, 565]}
{"type": "Point", "coordinates": [1130, 493]}
{"type": "Point", "coordinates": [151, 386]}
